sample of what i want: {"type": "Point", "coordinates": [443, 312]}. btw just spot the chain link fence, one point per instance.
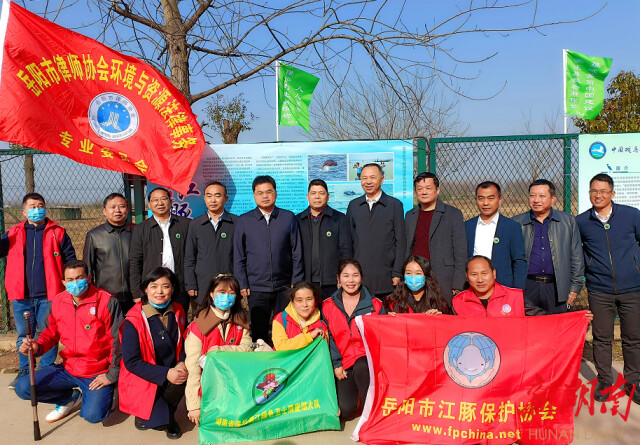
{"type": "Point", "coordinates": [73, 193]}
{"type": "Point", "coordinates": [511, 161]}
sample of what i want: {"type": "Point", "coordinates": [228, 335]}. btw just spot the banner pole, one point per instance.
{"type": "Point", "coordinates": [564, 87]}
{"type": "Point", "coordinates": [277, 101]}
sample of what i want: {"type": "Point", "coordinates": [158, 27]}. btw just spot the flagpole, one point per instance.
{"type": "Point", "coordinates": [564, 85]}
{"type": "Point", "coordinates": [277, 101]}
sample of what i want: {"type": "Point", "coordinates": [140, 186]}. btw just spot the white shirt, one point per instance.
{"type": "Point", "coordinates": [167, 252]}
{"type": "Point", "coordinates": [372, 201]}
{"type": "Point", "coordinates": [485, 234]}
{"type": "Point", "coordinates": [267, 216]}
{"type": "Point", "coordinates": [214, 222]}
{"type": "Point", "coordinates": [604, 219]}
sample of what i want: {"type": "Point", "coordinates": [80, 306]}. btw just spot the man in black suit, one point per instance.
{"type": "Point", "coordinates": [435, 230]}
{"type": "Point", "coordinates": [209, 248]}
{"type": "Point", "coordinates": [159, 241]}
{"type": "Point", "coordinates": [325, 238]}
{"type": "Point", "coordinates": [377, 229]}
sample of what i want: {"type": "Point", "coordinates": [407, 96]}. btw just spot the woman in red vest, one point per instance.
{"type": "Point", "coordinates": [299, 324]}
{"type": "Point", "coordinates": [345, 343]}
{"type": "Point", "coordinates": [153, 373]}
{"type": "Point", "coordinates": [418, 290]}
{"type": "Point", "coordinates": [221, 324]}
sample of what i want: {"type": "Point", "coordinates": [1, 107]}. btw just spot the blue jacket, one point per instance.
{"type": "Point", "coordinates": [267, 258]}
{"type": "Point", "coordinates": [611, 251]}
{"type": "Point", "coordinates": [507, 253]}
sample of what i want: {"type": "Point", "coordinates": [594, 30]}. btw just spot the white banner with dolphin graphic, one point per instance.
{"type": "Point", "coordinates": [293, 165]}
{"type": "Point", "coordinates": [617, 155]}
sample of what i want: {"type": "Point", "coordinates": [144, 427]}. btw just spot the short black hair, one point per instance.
{"type": "Point", "coordinates": [602, 177]}
{"type": "Point", "coordinates": [552, 187]}
{"type": "Point", "coordinates": [156, 189]}
{"type": "Point", "coordinates": [263, 179]}
{"type": "Point", "coordinates": [113, 196]}
{"type": "Point", "coordinates": [75, 264]}
{"type": "Point", "coordinates": [373, 164]}
{"type": "Point", "coordinates": [216, 183]}
{"type": "Point", "coordinates": [318, 182]}
{"type": "Point", "coordinates": [36, 196]}
{"type": "Point", "coordinates": [487, 184]}
{"type": "Point", "coordinates": [155, 274]}
{"type": "Point", "coordinates": [426, 175]}
{"type": "Point", "coordinates": [478, 257]}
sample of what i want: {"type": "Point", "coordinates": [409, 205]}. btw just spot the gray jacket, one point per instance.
{"type": "Point", "coordinates": [566, 250]}
{"type": "Point", "coordinates": [447, 245]}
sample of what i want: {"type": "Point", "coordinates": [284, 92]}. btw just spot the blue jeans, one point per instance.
{"type": "Point", "coordinates": [39, 308]}
{"type": "Point", "coordinates": [54, 384]}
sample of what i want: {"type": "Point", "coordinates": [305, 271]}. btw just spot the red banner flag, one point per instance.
{"type": "Point", "coordinates": [68, 94]}
{"type": "Point", "coordinates": [458, 380]}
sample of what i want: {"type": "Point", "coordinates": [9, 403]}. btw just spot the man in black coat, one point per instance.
{"type": "Point", "coordinates": [267, 256]}
{"type": "Point", "coordinates": [326, 239]}
{"type": "Point", "coordinates": [435, 230]}
{"type": "Point", "coordinates": [209, 248]}
{"type": "Point", "coordinates": [159, 241]}
{"type": "Point", "coordinates": [106, 251]}
{"type": "Point", "coordinates": [377, 229]}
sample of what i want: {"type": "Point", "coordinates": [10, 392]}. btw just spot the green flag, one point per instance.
{"type": "Point", "coordinates": [584, 92]}
{"type": "Point", "coordinates": [295, 88]}
{"type": "Point", "coordinates": [249, 396]}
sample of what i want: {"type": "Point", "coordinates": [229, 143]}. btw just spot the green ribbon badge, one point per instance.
{"type": "Point", "coordinates": [87, 327]}
{"type": "Point", "coordinates": [56, 253]}
{"type": "Point", "coordinates": [496, 240]}
{"type": "Point", "coordinates": [223, 235]}
{"type": "Point", "coordinates": [607, 227]}
{"type": "Point", "coordinates": [178, 235]}
{"type": "Point", "coordinates": [329, 234]}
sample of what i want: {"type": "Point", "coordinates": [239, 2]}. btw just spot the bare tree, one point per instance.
{"type": "Point", "coordinates": [374, 109]}
{"type": "Point", "coordinates": [229, 41]}
{"type": "Point", "coordinates": [230, 117]}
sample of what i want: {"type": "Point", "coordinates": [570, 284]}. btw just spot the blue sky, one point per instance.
{"type": "Point", "coordinates": [530, 62]}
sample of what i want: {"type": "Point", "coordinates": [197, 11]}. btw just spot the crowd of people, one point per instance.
{"type": "Point", "coordinates": [272, 279]}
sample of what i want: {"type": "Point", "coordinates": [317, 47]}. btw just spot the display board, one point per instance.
{"type": "Point", "coordinates": [617, 155]}
{"type": "Point", "coordinates": [293, 165]}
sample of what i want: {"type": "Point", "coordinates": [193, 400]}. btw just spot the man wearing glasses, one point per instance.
{"type": "Point", "coordinates": [159, 241]}
{"type": "Point", "coordinates": [267, 256]}
{"type": "Point", "coordinates": [610, 235]}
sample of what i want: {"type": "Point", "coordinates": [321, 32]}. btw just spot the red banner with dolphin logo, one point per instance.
{"type": "Point", "coordinates": [458, 380]}
{"type": "Point", "coordinates": [68, 94]}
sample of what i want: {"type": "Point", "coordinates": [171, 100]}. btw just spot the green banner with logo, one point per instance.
{"type": "Point", "coordinates": [295, 88]}
{"type": "Point", "coordinates": [249, 396]}
{"type": "Point", "coordinates": [584, 95]}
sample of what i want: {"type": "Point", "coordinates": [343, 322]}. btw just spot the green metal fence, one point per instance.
{"type": "Point", "coordinates": [511, 161]}
{"type": "Point", "coordinates": [73, 192]}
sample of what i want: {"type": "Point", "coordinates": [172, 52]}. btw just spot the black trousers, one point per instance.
{"type": "Point", "coordinates": [356, 383]}
{"type": "Point", "coordinates": [545, 296]}
{"type": "Point", "coordinates": [263, 306]}
{"type": "Point", "coordinates": [604, 307]}
{"type": "Point", "coordinates": [325, 291]}
{"type": "Point", "coordinates": [168, 396]}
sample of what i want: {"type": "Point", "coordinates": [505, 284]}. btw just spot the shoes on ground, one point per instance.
{"type": "Point", "coordinates": [22, 373]}
{"type": "Point", "coordinates": [62, 411]}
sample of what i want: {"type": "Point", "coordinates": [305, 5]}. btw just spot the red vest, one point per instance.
{"type": "Point", "coordinates": [503, 302]}
{"type": "Point", "coordinates": [392, 308]}
{"type": "Point", "coordinates": [292, 328]}
{"type": "Point", "coordinates": [137, 395]}
{"type": "Point", "coordinates": [346, 336]}
{"type": "Point", "coordinates": [214, 338]}
{"type": "Point", "coordinates": [52, 257]}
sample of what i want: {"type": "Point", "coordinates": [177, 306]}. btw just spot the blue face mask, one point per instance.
{"type": "Point", "coordinates": [78, 287]}
{"type": "Point", "coordinates": [36, 215]}
{"type": "Point", "coordinates": [414, 282]}
{"type": "Point", "coordinates": [224, 301]}
{"type": "Point", "coordinates": [160, 306]}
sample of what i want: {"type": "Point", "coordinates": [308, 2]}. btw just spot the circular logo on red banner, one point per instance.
{"type": "Point", "coordinates": [113, 117]}
{"type": "Point", "coordinates": [471, 359]}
